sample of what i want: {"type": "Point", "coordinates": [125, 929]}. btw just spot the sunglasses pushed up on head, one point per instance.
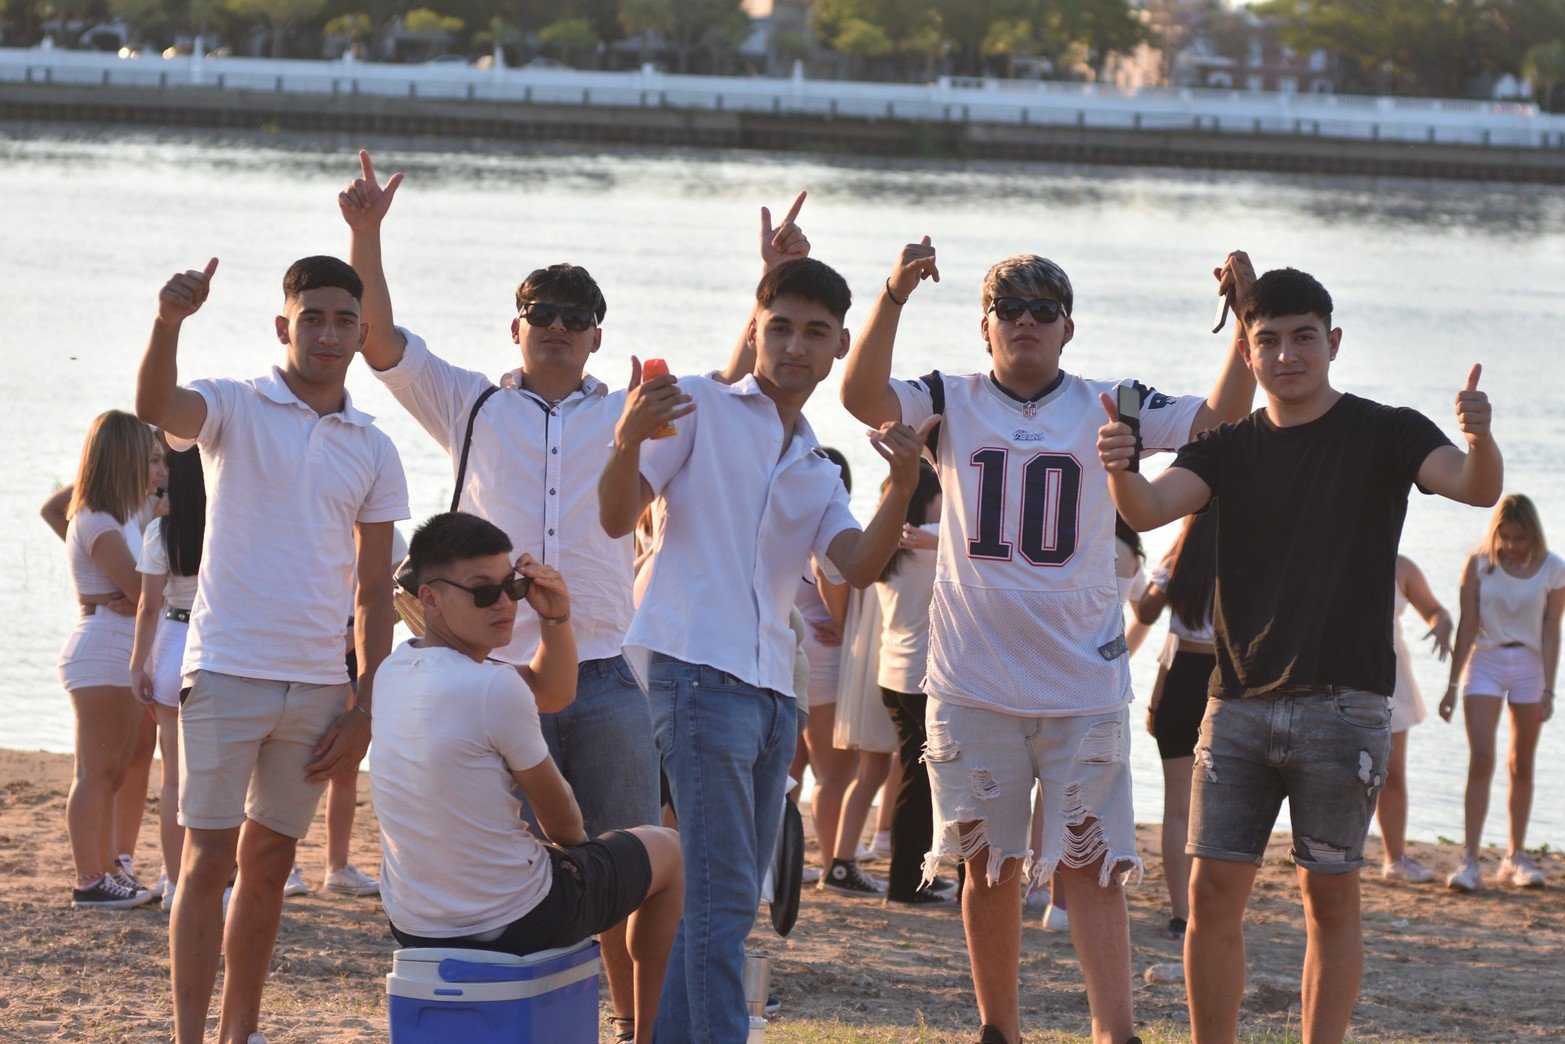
{"type": "Point", "coordinates": [1043, 309]}
{"type": "Point", "coordinates": [539, 313]}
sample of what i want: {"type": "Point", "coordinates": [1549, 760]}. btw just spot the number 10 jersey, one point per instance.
{"type": "Point", "coordinates": [1026, 617]}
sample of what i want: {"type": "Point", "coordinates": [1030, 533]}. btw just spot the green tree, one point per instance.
{"type": "Point", "coordinates": [281, 16]}
{"type": "Point", "coordinates": [645, 19]}
{"type": "Point", "coordinates": [1009, 39]}
{"type": "Point", "coordinates": [1544, 65]}
{"type": "Point", "coordinates": [569, 36]}
{"type": "Point", "coordinates": [424, 22]}
{"type": "Point", "coordinates": [713, 26]}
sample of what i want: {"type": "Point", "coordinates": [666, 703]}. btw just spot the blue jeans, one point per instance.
{"type": "Point", "coordinates": [726, 749]}
{"type": "Point", "coordinates": [603, 746]}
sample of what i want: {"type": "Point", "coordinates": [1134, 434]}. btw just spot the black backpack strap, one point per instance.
{"type": "Point", "coordinates": [467, 444]}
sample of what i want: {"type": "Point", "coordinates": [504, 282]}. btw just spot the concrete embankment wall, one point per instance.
{"type": "Point", "coordinates": [654, 125]}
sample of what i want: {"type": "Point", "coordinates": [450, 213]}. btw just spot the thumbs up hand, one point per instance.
{"type": "Point", "coordinates": [1116, 442]}
{"type": "Point", "coordinates": [1472, 409]}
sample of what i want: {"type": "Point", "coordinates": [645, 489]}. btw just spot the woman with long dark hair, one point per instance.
{"type": "Point", "coordinates": [1184, 583]}
{"type": "Point", "coordinates": [170, 558]}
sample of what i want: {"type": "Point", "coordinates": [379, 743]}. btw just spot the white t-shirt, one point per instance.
{"type": "Point", "coordinates": [1511, 609]}
{"type": "Point", "coordinates": [1176, 623]}
{"type": "Point", "coordinates": [533, 471]}
{"type": "Point", "coordinates": [81, 534]}
{"type": "Point", "coordinates": [742, 517]}
{"type": "Point", "coordinates": [285, 486]}
{"type": "Point", "coordinates": [904, 611]}
{"type": "Point", "coordinates": [1026, 617]}
{"type": "Point", "coordinates": [457, 858]}
{"type": "Point", "coordinates": [180, 591]}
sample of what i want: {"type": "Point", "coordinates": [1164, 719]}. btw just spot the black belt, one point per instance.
{"type": "Point", "coordinates": [1513, 645]}
{"type": "Point", "coordinates": [179, 615]}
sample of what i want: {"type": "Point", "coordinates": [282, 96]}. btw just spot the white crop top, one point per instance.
{"type": "Point", "coordinates": [1510, 609]}
{"type": "Point", "coordinates": [81, 534]}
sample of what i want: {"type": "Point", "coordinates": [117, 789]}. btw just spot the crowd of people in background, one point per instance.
{"type": "Point", "coordinates": [648, 609]}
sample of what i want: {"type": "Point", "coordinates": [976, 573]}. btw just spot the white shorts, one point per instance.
{"type": "Point", "coordinates": [825, 663]}
{"type": "Point", "coordinates": [982, 765]}
{"type": "Point", "coordinates": [168, 652]}
{"type": "Point", "coordinates": [1515, 673]}
{"type": "Point", "coordinates": [97, 653]}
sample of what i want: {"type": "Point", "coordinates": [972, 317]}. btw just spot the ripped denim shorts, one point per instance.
{"type": "Point", "coordinates": [982, 765]}
{"type": "Point", "coordinates": [1324, 749]}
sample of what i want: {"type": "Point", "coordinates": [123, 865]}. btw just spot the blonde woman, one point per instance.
{"type": "Point", "coordinates": [102, 529]}
{"type": "Point", "coordinates": [1507, 651]}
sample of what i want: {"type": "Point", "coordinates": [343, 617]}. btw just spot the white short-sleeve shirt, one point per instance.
{"type": "Point", "coordinates": [285, 486]}
{"type": "Point", "coordinates": [904, 608]}
{"type": "Point", "coordinates": [741, 518]}
{"type": "Point", "coordinates": [82, 533]}
{"type": "Point", "coordinates": [1025, 617]}
{"type": "Point", "coordinates": [533, 471]}
{"type": "Point", "coordinates": [179, 591]}
{"type": "Point", "coordinates": [1510, 609]}
{"type": "Point", "coordinates": [457, 857]}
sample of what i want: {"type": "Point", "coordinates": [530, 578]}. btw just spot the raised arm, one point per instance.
{"type": "Point", "coordinates": [1233, 395]}
{"type": "Point", "coordinates": [1466, 634]}
{"type": "Point", "coordinates": [783, 243]}
{"type": "Point", "coordinates": [364, 205]}
{"type": "Point", "coordinates": [552, 673]}
{"type": "Point", "coordinates": [53, 509]}
{"type": "Point", "coordinates": [1477, 476]}
{"type": "Point", "coordinates": [159, 398]}
{"type": "Point", "coordinates": [1144, 504]}
{"type": "Point", "coordinates": [622, 493]}
{"type": "Point", "coordinates": [861, 556]}
{"type": "Point", "coordinates": [866, 376]}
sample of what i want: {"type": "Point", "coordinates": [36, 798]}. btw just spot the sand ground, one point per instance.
{"type": "Point", "coordinates": [1440, 966]}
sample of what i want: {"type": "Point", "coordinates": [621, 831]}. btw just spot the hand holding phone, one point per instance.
{"type": "Point", "coordinates": [1127, 402]}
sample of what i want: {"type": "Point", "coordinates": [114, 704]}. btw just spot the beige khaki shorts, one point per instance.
{"type": "Point", "coordinates": [243, 745]}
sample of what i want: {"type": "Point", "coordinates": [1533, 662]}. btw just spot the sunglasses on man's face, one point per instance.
{"type": "Point", "coordinates": [1043, 309]}
{"type": "Point", "coordinates": [575, 320]}
{"type": "Point", "coordinates": [485, 595]}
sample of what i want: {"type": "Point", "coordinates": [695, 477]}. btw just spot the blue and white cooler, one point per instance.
{"type": "Point", "coordinates": [479, 996]}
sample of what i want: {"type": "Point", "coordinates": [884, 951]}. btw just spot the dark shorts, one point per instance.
{"type": "Point", "coordinates": [596, 886]}
{"type": "Point", "coordinates": [1177, 721]}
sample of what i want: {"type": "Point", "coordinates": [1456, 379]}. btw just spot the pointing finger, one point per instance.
{"type": "Point", "coordinates": [366, 165]}
{"type": "Point", "coordinates": [1472, 377]}
{"type": "Point", "coordinates": [793, 211]}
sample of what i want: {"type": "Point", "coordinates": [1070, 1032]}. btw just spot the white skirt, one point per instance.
{"type": "Point", "coordinates": [97, 653]}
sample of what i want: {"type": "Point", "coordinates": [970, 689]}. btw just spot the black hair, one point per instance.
{"type": "Point", "coordinates": [1285, 291]}
{"type": "Point", "coordinates": [1129, 536]}
{"type": "Point", "coordinates": [563, 284]}
{"type": "Point", "coordinates": [321, 270]}
{"type": "Point", "coordinates": [184, 527]}
{"type": "Point", "coordinates": [807, 278]}
{"type": "Point", "coordinates": [836, 457]}
{"type": "Point", "coordinates": [1192, 575]}
{"type": "Point", "coordinates": [453, 536]}
{"type": "Point", "coordinates": [917, 512]}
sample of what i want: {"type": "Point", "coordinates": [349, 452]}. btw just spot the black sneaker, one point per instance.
{"type": "Point", "coordinates": [773, 1005]}
{"type": "Point", "coordinates": [846, 877]}
{"type": "Point", "coordinates": [1176, 927]}
{"type": "Point", "coordinates": [988, 1034]}
{"type": "Point", "coordinates": [109, 894]}
{"type": "Point", "coordinates": [924, 897]}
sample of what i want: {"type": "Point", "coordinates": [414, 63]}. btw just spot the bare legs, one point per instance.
{"type": "Point", "coordinates": [342, 798]}
{"type": "Point", "coordinates": [170, 834]}
{"type": "Point", "coordinates": [649, 932]}
{"type": "Point", "coordinates": [1391, 809]}
{"type": "Point", "coordinates": [1482, 714]}
{"type": "Point", "coordinates": [130, 800]}
{"type": "Point", "coordinates": [1526, 723]}
{"type": "Point", "coordinates": [1176, 826]}
{"type": "Point", "coordinates": [195, 934]}
{"type": "Point", "coordinates": [856, 801]}
{"type": "Point", "coordinates": [834, 769]}
{"type": "Point", "coordinates": [106, 722]}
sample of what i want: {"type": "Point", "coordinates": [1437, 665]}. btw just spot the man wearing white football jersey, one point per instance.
{"type": "Point", "coordinates": [1027, 673]}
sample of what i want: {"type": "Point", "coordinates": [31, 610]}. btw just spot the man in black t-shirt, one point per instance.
{"type": "Point", "coordinates": [1311, 494]}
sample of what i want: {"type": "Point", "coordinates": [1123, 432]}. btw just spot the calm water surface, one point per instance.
{"type": "Point", "coordinates": [1428, 278]}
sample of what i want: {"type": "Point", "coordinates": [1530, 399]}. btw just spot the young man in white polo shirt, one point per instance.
{"type": "Point", "coordinates": [1028, 675]}
{"type": "Point", "coordinates": [537, 449]}
{"type": "Point", "coordinates": [303, 493]}
{"type": "Point", "coordinates": [747, 499]}
{"type": "Point", "coordinates": [457, 733]}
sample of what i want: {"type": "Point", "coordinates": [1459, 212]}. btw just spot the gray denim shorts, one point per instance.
{"type": "Point", "coordinates": [1324, 749]}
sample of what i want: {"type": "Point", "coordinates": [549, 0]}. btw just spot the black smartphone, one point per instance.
{"type": "Point", "coordinates": [1128, 401]}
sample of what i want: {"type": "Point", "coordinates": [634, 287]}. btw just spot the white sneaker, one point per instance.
{"type": "Point", "coordinates": [864, 855]}
{"type": "Point", "coordinates": [1468, 876]}
{"type": "Point", "coordinates": [255, 1038]}
{"type": "Point", "coordinates": [295, 884]}
{"type": "Point", "coordinates": [1037, 898]}
{"type": "Point", "coordinates": [167, 902]}
{"type": "Point", "coordinates": [228, 895]}
{"type": "Point", "coordinates": [812, 875]}
{"type": "Point", "coordinates": [881, 846]}
{"type": "Point", "coordinates": [1521, 871]}
{"type": "Point", "coordinates": [1407, 869]}
{"type": "Point", "coordinates": [1056, 919]}
{"type": "Point", "coordinates": [350, 880]}
{"type": "Point", "coordinates": [161, 888]}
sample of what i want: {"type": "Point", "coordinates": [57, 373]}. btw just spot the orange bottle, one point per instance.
{"type": "Point", "coordinates": [657, 368]}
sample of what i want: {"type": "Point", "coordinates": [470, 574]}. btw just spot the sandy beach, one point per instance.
{"type": "Point", "coordinates": [1440, 966]}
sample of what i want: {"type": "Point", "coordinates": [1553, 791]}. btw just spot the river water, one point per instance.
{"type": "Point", "coordinates": [1428, 277]}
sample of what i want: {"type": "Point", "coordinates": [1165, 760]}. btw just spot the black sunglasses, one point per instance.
{"type": "Point", "coordinates": [485, 595]}
{"type": "Point", "coordinates": [537, 313]}
{"type": "Point", "coordinates": [1043, 309]}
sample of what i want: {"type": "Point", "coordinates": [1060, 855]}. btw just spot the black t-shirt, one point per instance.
{"type": "Point", "coordinates": [1308, 521]}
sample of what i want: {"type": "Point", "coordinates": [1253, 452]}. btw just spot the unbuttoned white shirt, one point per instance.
{"type": "Point", "coordinates": [285, 486]}
{"type": "Point", "coordinates": [741, 518]}
{"type": "Point", "coordinates": [533, 471]}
